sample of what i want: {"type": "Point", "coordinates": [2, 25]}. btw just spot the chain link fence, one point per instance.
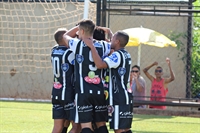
{"type": "Point", "coordinates": [172, 19]}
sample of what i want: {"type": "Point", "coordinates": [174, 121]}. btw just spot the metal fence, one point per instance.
{"type": "Point", "coordinates": [173, 19]}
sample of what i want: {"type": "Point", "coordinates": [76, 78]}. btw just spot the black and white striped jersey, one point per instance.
{"type": "Point", "coordinates": [62, 59]}
{"type": "Point", "coordinates": [119, 63]}
{"type": "Point", "coordinates": [88, 77]}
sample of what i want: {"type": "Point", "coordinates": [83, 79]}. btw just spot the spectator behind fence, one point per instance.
{"type": "Point", "coordinates": [138, 86]}
{"type": "Point", "coordinates": [159, 87]}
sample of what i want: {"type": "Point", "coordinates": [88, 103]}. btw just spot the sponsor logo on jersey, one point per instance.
{"type": "Point", "coordinates": [109, 46]}
{"type": "Point", "coordinates": [86, 108]}
{"type": "Point", "coordinates": [106, 94]}
{"type": "Point", "coordinates": [65, 67]}
{"type": "Point", "coordinates": [126, 114]}
{"type": "Point", "coordinates": [73, 62]}
{"type": "Point", "coordinates": [96, 44]}
{"type": "Point", "coordinates": [71, 42]}
{"type": "Point", "coordinates": [58, 52]}
{"type": "Point", "coordinates": [79, 58]}
{"type": "Point", "coordinates": [110, 109]}
{"type": "Point", "coordinates": [57, 85]}
{"type": "Point", "coordinates": [95, 80]}
{"type": "Point", "coordinates": [121, 71]}
{"type": "Point", "coordinates": [127, 55]}
{"type": "Point", "coordinates": [113, 57]}
{"type": "Point", "coordinates": [69, 106]}
{"type": "Point", "coordinates": [101, 108]}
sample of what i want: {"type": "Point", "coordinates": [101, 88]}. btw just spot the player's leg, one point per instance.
{"type": "Point", "coordinates": [58, 125]}
{"type": "Point", "coordinates": [94, 127]}
{"type": "Point", "coordinates": [86, 127]}
{"type": "Point", "coordinates": [102, 128]}
{"type": "Point", "coordinates": [101, 113]}
{"type": "Point", "coordinates": [65, 127]}
{"type": "Point", "coordinates": [76, 127]}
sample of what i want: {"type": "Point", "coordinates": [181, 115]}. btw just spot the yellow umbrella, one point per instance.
{"type": "Point", "coordinates": [140, 35]}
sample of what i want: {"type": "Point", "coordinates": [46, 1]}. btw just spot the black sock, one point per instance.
{"type": "Point", "coordinates": [86, 130]}
{"type": "Point", "coordinates": [64, 130]}
{"type": "Point", "coordinates": [102, 129]}
{"type": "Point", "coordinates": [94, 127]}
{"type": "Point", "coordinates": [129, 131]}
{"type": "Point", "coordinates": [95, 130]}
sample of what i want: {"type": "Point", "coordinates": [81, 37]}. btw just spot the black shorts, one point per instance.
{"type": "Point", "coordinates": [91, 107]}
{"type": "Point", "coordinates": [121, 115]}
{"type": "Point", "coordinates": [61, 111]}
{"type": "Point", "coordinates": [58, 112]}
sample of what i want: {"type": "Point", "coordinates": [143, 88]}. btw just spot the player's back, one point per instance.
{"type": "Point", "coordinates": [120, 78]}
{"type": "Point", "coordinates": [88, 77]}
{"type": "Point", "coordinates": [63, 70]}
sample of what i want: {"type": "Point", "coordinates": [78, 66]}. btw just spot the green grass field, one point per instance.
{"type": "Point", "coordinates": [28, 117]}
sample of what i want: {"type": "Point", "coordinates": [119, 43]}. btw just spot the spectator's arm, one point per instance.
{"type": "Point", "coordinates": [172, 77]}
{"type": "Point", "coordinates": [139, 87]}
{"type": "Point", "coordinates": [145, 70]}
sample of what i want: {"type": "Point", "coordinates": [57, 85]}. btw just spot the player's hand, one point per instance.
{"type": "Point", "coordinates": [111, 51]}
{"type": "Point", "coordinates": [155, 63]}
{"type": "Point", "coordinates": [88, 42]}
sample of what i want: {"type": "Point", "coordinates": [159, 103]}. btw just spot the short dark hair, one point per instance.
{"type": "Point", "coordinates": [123, 38]}
{"type": "Point", "coordinates": [136, 66]}
{"type": "Point", "coordinates": [58, 35]}
{"type": "Point", "coordinates": [99, 34]}
{"type": "Point", "coordinates": [88, 26]}
{"type": "Point", "coordinates": [159, 67]}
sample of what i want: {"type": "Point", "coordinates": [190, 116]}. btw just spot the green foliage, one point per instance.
{"type": "Point", "coordinates": [179, 38]}
{"type": "Point", "coordinates": [195, 68]}
{"type": "Point", "coordinates": [195, 60]}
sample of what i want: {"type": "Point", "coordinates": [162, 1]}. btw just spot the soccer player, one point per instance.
{"type": "Point", "coordinates": [63, 91]}
{"type": "Point", "coordinates": [90, 99]}
{"type": "Point", "coordinates": [119, 63]}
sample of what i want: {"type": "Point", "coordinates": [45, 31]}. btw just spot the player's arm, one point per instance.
{"type": "Point", "coordinates": [97, 59]}
{"type": "Point", "coordinates": [108, 33]}
{"type": "Point", "coordinates": [69, 35]}
{"type": "Point", "coordinates": [172, 77]}
{"type": "Point", "coordinates": [145, 70]}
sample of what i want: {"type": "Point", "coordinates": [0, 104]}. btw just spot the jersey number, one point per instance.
{"type": "Point", "coordinates": [92, 66]}
{"type": "Point", "coordinates": [56, 66]}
